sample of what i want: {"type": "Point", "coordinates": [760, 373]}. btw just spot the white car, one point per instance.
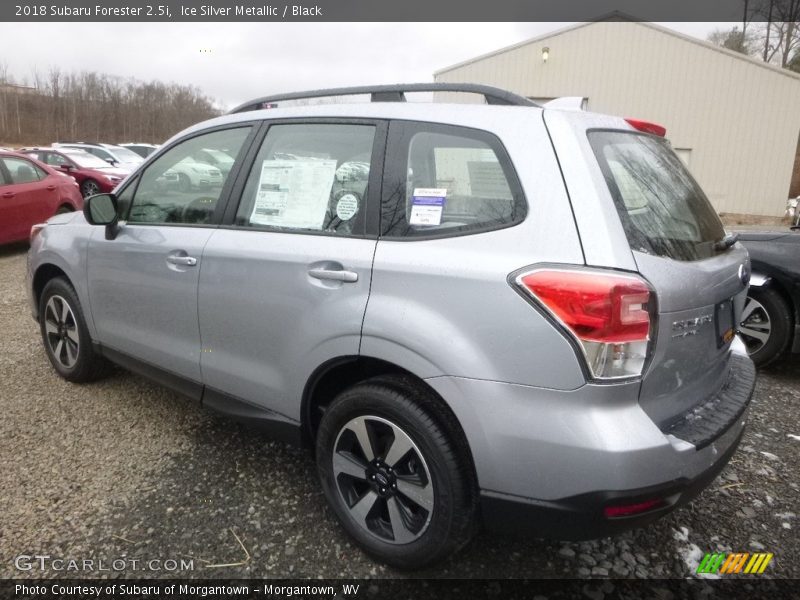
{"type": "Point", "coordinates": [192, 174]}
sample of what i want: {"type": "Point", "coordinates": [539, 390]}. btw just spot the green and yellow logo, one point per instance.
{"type": "Point", "coordinates": [735, 562]}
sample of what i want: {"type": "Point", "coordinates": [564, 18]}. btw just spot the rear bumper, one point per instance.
{"type": "Point", "coordinates": [550, 462]}
{"type": "Point", "coordinates": [582, 517]}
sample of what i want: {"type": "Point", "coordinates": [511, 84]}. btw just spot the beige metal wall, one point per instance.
{"type": "Point", "coordinates": [739, 119]}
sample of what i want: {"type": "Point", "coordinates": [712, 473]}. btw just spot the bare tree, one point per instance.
{"type": "Point", "coordinates": [733, 39]}
{"type": "Point", "coordinates": [770, 31]}
{"type": "Point", "coordinates": [96, 107]}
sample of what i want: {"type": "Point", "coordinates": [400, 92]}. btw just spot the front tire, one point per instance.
{"type": "Point", "coordinates": [766, 325]}
{"type": "Point", "coordinates": [64, 334]}
{"type": "Point", "coordinates": [394, 477]}
{"type": "Point", "coordinates": [89, 188]}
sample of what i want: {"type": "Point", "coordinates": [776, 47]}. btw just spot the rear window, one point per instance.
{"type": "Point", "coordinates": [663, 210]}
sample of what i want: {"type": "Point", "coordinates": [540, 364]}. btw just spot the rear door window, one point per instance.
{"type": "Point", "coordinates": [447, 180]}
{"type": "Point", "coordinates": [310, 177]}
{"type": "Point", "coordinates": [662, 208]}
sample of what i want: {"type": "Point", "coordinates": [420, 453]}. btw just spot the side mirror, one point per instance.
{"type": "Point", "coordinates": [111, 161]}
{"type": "Point", "coordinates": [66, 167]}
{"type": "Point", "coordinates": [101, 209]}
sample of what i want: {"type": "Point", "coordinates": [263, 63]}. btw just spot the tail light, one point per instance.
{"type": "Point", "coordinates": [647, 127]}
{"type": "Point", "coordinates": [606, 313]}
{"type": "Point", "coordinates": [36, 230]}
{"type": "Point", "coordinates": [628, 510]}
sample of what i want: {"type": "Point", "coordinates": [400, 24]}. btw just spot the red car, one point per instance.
{"type": "Point", "coordinates": [93, 174]}
{"type": "Point", "coordinates": [30, 193]}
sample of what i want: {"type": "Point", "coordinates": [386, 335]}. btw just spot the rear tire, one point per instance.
{"type": "Point", "coordinates": [65, 336]}
{"type": "Point", "coordinates": [766, 325]}
{"type": "Point", "coordinates": [410, 500]}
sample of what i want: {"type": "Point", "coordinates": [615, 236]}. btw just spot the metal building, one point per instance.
{"type": "Point", "coordinates": [733, 119]}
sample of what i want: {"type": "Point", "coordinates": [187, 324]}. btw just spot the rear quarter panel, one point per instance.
{"type": "Point", "coordinates": [445, 306]}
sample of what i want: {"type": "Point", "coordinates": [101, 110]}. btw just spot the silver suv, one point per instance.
{"type": "Point", "coordinates": [496, 313]}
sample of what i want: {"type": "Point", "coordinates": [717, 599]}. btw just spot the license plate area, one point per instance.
{"type": "Point", "coordinates": [723, 317]}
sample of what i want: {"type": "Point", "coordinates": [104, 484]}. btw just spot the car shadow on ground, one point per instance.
{"type": "Point", "coordinates": [785, 370]}
{"type": "Point", "coordinates": [15, 249]}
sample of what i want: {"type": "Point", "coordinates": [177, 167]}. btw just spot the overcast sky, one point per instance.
{"type": "Point", "coordinates": [247, 60]}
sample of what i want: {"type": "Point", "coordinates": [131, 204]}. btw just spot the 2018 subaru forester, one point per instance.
{"type": "Point", "coordinates": [502, 313]}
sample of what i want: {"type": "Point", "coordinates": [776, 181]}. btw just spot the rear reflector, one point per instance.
{"type": "Point", "coordinates": [647, 127]}
{"type": "Point", "coordinates": [606, 313]}
{"type": "Point", "coordinates": [628, 510]}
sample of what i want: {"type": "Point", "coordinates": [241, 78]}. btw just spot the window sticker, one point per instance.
{"type": "Point", "coordinates": [347, 207]}
{"type": "Point", "coordinates": [427, 205]}
{"type": "Point", "coordinates": [293, 193]}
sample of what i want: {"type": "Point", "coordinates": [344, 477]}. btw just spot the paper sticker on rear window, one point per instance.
{"type": "Point", "coordinates": [427, 205]}
{"type": "Point", "coordinates": [293, 193]}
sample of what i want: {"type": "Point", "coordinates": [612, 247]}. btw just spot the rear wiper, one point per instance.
{"type": "Point", "coordinates": [729, 240]}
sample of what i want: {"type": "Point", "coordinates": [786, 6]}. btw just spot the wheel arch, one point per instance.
{"type": "Point", "coordinates": [338, 374]}
{"type": "Point", "coordinates": [776, 283]}
{"type": "Point", "coordinates": [45, 273]}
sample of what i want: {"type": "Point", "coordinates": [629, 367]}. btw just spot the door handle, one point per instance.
{"type": "Point", "coordinates": [334, 275]}
{"type": "Point", "coordinates": [185, 261]}
{"type": "Point", "coordinates": [9, 195]}
{"type": "Point", "coordinates": [50, 188]}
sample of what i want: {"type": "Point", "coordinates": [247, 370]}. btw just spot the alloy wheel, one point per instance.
{"type": "Point", "coordinates": [61, 331]}
{"type": "Point", "coordinates": [90, 188]}
{"type": "Point", "coordinates": [755, 326]}
{"type": "Point", "coordinates": [383, 479]}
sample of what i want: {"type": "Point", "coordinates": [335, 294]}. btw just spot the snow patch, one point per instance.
{"type": "Point", "coordinates": [769, 455]}
{"type": "Point", "coordinates": [794, 437]}
{"type": "Point", "coordinates": [690, 553]}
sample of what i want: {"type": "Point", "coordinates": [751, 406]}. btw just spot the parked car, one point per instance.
{"type": "Point", "coordinates": [499, 313]}
{"type": "Point", "coordinates": [215, 158]}
{"type": "Point", "coordinates": [30, 193]}
{"type": "Point", "coordinates": [116, 156]}
{"type": "Point", "coordinates": [143, 150]}
{"type": "Point", "coordinates": [195, 175]}
{"type": "Point", "coordinates": [93, 174]}
{"type": "Point", "coordinates": [770, 322]}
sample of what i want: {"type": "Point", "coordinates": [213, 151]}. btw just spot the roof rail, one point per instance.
{"type": "Point", "coordinates": [393, 93]}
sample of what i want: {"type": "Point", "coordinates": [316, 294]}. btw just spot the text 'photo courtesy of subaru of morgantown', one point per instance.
{"type": "Point", "coordinates": [506, 315]}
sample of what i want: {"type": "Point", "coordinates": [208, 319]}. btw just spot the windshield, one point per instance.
{"type": "Point", "coordinates": [86, 160]}
{"type": "Point", "coordinates": [663, 210]}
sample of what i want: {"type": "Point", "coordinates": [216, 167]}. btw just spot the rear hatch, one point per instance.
{"type": "Point", "coordinates": [679, 245]}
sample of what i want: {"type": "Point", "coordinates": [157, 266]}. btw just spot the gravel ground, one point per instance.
{"type": "Point", "coordinates": [124, 469]}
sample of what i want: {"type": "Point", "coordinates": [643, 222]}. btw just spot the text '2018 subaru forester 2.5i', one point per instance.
{"type": "Point", "coordinates": [497, 313]}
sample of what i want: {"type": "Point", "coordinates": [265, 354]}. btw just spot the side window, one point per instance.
{"type": "Point", "coordinates": [449, 180]}
{"type": "Point", "coordinates": [55, 160]}
{"type": "Point", "coordinates": [310, 177]}
{"type": "Point", "coordinates": [178, 189]}
{"type": "Point", "coordinates": [23, 171]}
{"type": "Point", "coordinates": [3, 180]}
